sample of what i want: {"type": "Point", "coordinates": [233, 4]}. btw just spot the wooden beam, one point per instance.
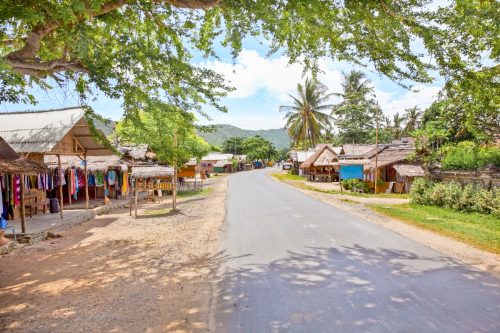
{"type": "Point", "coordinates": [23, 218]}
{"type": "Point", "coordinates": [61, 176]}
{"type": "Point", "coordinates": [86, 182]}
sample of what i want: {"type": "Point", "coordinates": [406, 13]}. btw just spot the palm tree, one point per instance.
{"type": "Point", "coordinates": [397, 121]}
{"type": "Point", "coordinates": [412, 117]}
{"type": "Point", "coordinates": [305, 121]}
{"type": "Point", "coordinates": [355, 88]}
{"type": "Point", "coordinates": [354, 116]}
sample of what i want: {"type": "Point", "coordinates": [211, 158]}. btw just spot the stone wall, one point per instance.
{"type": "Point", "coordinates": [487, 178]}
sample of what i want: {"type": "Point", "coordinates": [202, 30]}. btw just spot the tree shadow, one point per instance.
{"type": "Point", "coordinates": [354, 289]}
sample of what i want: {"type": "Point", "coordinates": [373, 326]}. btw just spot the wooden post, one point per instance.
{"type": "Point", "coordinates": [131, 203]}
{"type": "Point", "coordinates": [136, 193]}
{"type": "Point", "coordinates": [376, 153]}
{"type": "Point", "coordinates": [23, 219]}
{"type": "Point", "coordinates": [61, 176]}
{"type": "Point", "coordinates": [174, 180]}
{"type": "Point", "coordinates": [86, 181]}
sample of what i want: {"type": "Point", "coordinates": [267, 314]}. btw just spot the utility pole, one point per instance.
{"type": "Point", "coordinates": [376, 151]}
{"type": "Point", "coordinates": [174, 181]}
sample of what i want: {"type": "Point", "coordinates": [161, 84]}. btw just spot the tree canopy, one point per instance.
{"type": "Point", "coordinates": [156, 128]}
{"type": "Point", "coordinates": [142, 50]}
{"type": "Point", "coordinates": [233, 145]}
{"type": "Point", "coordinates": [258, 148]}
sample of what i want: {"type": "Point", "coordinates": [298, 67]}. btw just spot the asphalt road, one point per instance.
{"type": "Point", "coordinates": [290, 263]}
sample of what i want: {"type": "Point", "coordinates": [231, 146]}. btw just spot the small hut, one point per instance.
{"type": "Point", "coordinates": [323, 165]}
{"type": "Point", "coordinates": [216, 162]}
{"type": "Point", "coordinates": [34, 134]}
{"type": "Point", "coordinates": [152, 179]}
{"type": "Point", "coordinates": [406, 174]}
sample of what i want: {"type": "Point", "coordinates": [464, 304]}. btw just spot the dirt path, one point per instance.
{"type": "Point", "coordinates": [483, 260]}
{"type": "Point", "coordinates": [118, 274]}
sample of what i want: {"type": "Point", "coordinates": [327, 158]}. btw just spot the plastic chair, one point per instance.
{"type": "Point", "coordinates": [4, 225]}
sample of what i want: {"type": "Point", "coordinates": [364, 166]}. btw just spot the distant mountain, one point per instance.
{"type": "Point", "coordinates": [278, 137]}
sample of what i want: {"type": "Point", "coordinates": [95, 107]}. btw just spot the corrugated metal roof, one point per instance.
{"type": "Point", "coordinates": [40, 131]}
{"type": "Point", "coordinates": [217, 157]}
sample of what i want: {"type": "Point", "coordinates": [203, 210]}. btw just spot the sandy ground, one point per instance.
{"type": "Point", "coordinates": [117, 273]}
{"type": "Point", "coordinates": [483, 260]}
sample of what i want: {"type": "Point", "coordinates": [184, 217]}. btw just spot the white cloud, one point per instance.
{"type": "Point", "coordinates": [421, 96]}
{"type": "Point", "coordinates": [263, 84]}
{"type": "Point", "coordinates": [276, 77]}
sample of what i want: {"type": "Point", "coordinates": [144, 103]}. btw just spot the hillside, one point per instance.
{"type": "Point", "coordinates": [277, 136]}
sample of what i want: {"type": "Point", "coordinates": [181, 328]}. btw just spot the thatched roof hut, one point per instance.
{"type": "Point", "coordinates": [324, 156]}
{"type": "Point", "coordinates": [152, 171]}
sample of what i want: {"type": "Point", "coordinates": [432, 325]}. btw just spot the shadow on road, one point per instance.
{"type": "Point", "coordinates": [354, 289]}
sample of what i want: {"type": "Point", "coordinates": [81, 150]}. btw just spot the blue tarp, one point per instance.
{"type": "Point", "coordinates": [351, 171]}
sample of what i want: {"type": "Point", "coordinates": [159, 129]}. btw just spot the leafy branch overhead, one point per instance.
{"type": "Point", "coordinates": [142, 50]}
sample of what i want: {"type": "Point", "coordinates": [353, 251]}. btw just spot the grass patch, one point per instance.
{"type": "Point", "coordinates": [161, 211]}
{"type": "Point", "coordinates": [349, 201]}
{"type": "Point", "coordinates": [479, 230]}
{"type": "Point", "coordinates": [287, 176]}
{"type": "Point", "coordinates": [186, 194]}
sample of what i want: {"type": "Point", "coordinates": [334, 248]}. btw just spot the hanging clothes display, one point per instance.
{"type": "Point", "coordinates": [111, 177]}
{"type": "Point", "coordinates": [125, 183]}
{"type": "Point", "coordinates": [99, 178]}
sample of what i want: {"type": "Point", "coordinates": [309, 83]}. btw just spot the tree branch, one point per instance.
{"type": "Point", "coordinates": [25, 60]}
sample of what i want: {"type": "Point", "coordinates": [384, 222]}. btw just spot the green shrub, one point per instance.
{"type": "Point", "coordinates": [437, 194]}
{"type": "Point", "coordinates": [355, 185]}
{"type": "Point", "coordinates": [466, 200]}
{"type": "Point", "coordinates": [483, 201]}
{"type": "Point", "coordinates": [420, 191]}
{"type": "Point", "coordinates": [471, 198]}
{"type": "Point", "coordinates": [467, 155]}
{"type": "Point", "coordinates": [453, 191]}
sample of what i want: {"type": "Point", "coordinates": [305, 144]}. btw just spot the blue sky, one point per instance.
{"type": "Point", "coordinates": [262, 84]}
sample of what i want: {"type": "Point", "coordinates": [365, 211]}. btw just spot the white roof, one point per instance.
{"type": "Point", "coordinates": [40, 131]}
{"type": "Point", "coordinates": [303, 155]}
{"type": "Point", "coordinates": [217, 157]}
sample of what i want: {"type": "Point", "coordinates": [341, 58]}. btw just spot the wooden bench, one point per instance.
{"type": "Point", "coordinates": [35, 201]}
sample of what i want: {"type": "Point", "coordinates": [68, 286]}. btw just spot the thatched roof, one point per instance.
{"type": "Point", "coordinates": [323, 156]}
{"type": "Point", "coordinates": [391, 155]}
{"type": "Point", "coordinates": [46, 131]}
{"type": "Point", "coordinates": [21, 166]}
{"type": "Point", "coordinates": [359, 161]}
{"type": "Point", "coordinates": [408, 170]}
{"type": "Point", "coordinates": [358, 150]}
{"type": "Point", "coordinates": [136, 152]}
{"type": "Point", "coordinates": [153, 171]}
{"type": "Point", "coordinates": [6, 151]}
{"type": "Point", "coordinates": [94, 163]}
{"type": "Point", "coordinates": [11, 163]}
